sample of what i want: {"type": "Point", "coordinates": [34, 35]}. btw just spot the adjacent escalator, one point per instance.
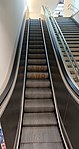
{"type": "Point", "coordinates": [40, 126]}
{"type": "Point", "coordinates": [70, 30]}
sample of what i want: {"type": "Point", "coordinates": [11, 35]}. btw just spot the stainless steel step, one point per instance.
{"type": "Point", "coordinates": [35, 35]}
{"type": "Point", "coordinates": [37, 68]}
{"type": "Point", "coordinates": [76, 33]}
{"type": "Point", "coordinates": [73, 52]}
{"type": "Point", "coordinates": [71, 38]}
{"type": "Point", "coordinates": [37, 75]}
{"type": "Point", "coordinates": [76, 58]}
{"type": "Point", "coordinates": [35, 38]}
{"type": "Point", "coordinates": [39, 119]}
{"type": "Point", "coordinates": [71, 45]}
{"type": "Point", "coordinates": [39, 105]}
{"type": "Point", "coordinates": [32, 42]}
{"type": "Point", "coordinates": [54, 145]}
{"type": "Point", "coordinates": [72, 41]}
{"type": "Point", "coordinates": [37, 83]}
{"type": "Point", "coordinates": [36, 51]}
{"type": "Point", "coordinates": [38, 93]}
{"type": "Point", "coordinates": [36, 56]}
{"type": "Point", "coordinates": [37, 61]}
{"type": "Point", "coordinates": [40, 134]}
{"type": "Point", "coordinates": [69, 65]}
{"type": "Point", "coordinates": [38, 46]}
{"type": "Point", "coordinates": [68, 28]}
{"type": "Point", "coordinates": [70, 31]}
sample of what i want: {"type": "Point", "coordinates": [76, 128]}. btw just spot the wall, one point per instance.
{"type": "Point", "coordinates": [76, 17]}
{"type": "Point", "coordinates": [76, 4]}
{"type": "Point", "coordinates": [11, 15]}
{"type": "Point", "coordinates": [70, 7]}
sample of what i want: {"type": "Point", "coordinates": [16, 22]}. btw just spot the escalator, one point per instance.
{"type": "Point", "coordinates": [70, 30]}
{"type": "Point", "coordinates": [40, 126]}
{"type": "Point", "coordinates": [45, 114]}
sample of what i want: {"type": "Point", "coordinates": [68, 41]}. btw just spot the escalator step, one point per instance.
{"type": "Point", "coordinates": [34, 51]}
{"type": "Point", "coordinates": [39, 119]}
{"type": "Point", "coordinates": [37, 75]}
{"type": "Point", "coordinates": [40, 134]}
{"type": "Point", "coordinates": [36, 56]}
{"type": "Point", "coordinates": [35, 42]}
{"type": "Point", "coordinates": [38, 83]}
{"type": "Point", "coordinates": [54, 145]}
{"type": "Point", "coordinates": [35, 93]}
{"type": "Point", "coordinates": [36, 68]}
{"type": "Point", "coordinates": [35, 38]}
{"type": "Point", "coordinates": [38, 105]}
{"type": "Point", "coordinates": [36, 46]}
{"type": "Point", "coordinates": [37, 61]}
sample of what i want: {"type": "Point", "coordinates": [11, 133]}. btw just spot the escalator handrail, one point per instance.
{"type": "Point", "coordinates": [65, 46]}
{"type": "Point", "coordinates": [15, 65]}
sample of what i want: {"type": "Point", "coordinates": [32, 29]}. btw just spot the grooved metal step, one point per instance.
{"type": "Point", "coordinates": [36, 56]}
{"type": "Point", "coordinates": [74, 53]}
{"type": "Point", "coordinates": [37, 61]}
{"type": "Point", "coordinates": [31, 46]}
{"type": "Point", "coordinates": [38, 105]}
{"type": "Point", "coordinates": [38, 93]}
{"type": "Point", "coordinates": [37, 75]}
{"type": "Point", "coordinates": [39, 119]}
{"type": "Point", "coordinates": [73, 50]}
{"type": "Point", "coordinates": [35, 38]}
{"type": "Point", "coordinates": [36, 51]}
{"type": "Point", "coordinates": [75, 57]}
{"type": "Point", "coordinates": [37, 83]}
{"type": "Point", "coordinates": [54, 145]}
{"type": "Point", "coordinates": [35, 42]}
{"type": "Point", "coordinates": [36, 68]}
{"type": "Point", "coordinates": [40, 134]}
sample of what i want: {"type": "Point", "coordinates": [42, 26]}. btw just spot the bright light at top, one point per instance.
{"type": "Point", "coordinates": [28, 3]}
